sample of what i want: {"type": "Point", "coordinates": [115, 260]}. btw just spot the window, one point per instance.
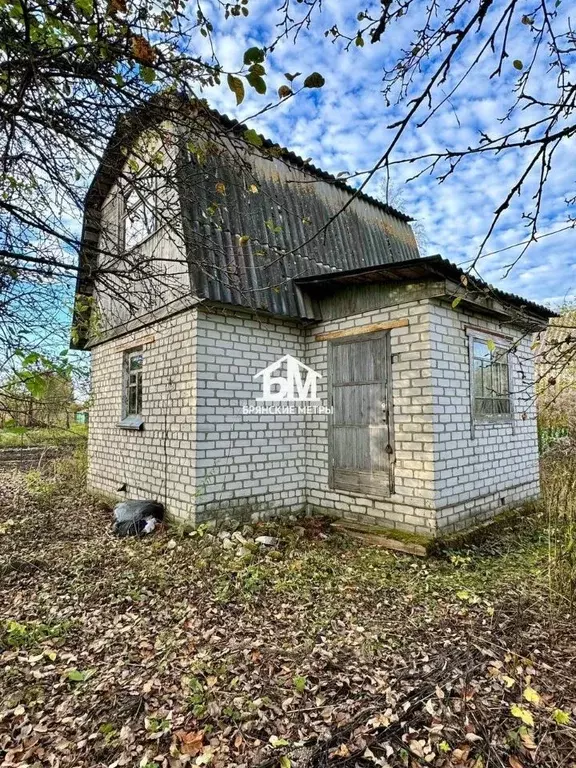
{"type": "Point", "coordinates": [132, 400]}
{"type": "Point", "coordinates": [490, 381]}
{"type": "Point", "coordinates": [134, 384]}
{"type": "Point", "coordinates": [139, 215]}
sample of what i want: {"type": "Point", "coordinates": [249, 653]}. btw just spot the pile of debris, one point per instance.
{"type": "Point", "coordinates": [243, 542]}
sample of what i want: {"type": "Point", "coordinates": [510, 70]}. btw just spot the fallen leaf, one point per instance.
{"type": "Point", "coordinates": [191, 742]}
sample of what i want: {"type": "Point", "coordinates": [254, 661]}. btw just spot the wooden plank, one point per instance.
{"type": "Point", "coordinates": [379, 540]}
{"type": "Point", "coordinates": [471, 330]}
{"type": "Point", "coordinates": [361, 329]}
{"type": "Point", "coordinates": [358, 428]}
{"type": "Point", "coordinates": [135, 343]}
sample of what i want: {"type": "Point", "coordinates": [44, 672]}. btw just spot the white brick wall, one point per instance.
{"type": "Point", "coordinates": [411, 506]}
{"type": "Point", "coordinates": [446, 474]}
{"type": "Point", "coordinates": [493, 464]}
{"type": "Point", "coordinates": [202, 456]}
{"type": "Point", "coordinates": [246, 462]}
{"type": "Point", "coordinates": [157, 462]}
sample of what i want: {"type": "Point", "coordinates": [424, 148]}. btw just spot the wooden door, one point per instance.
{"type": "Point", "coordinates": [361, 430]}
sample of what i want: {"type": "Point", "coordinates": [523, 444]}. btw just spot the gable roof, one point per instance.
{"type": "Point", "coordinates": [294, 200]}
{"type": "Point", "coordinates": [278, 265]}
{"type": "Point", "coordinates": [239, 129]}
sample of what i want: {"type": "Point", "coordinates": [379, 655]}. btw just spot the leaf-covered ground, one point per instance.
{"type": "Point", "coordinates": [171, 650]}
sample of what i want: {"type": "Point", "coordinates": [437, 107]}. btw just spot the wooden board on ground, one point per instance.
{"type": "Point", "coordinates": [376, 539]}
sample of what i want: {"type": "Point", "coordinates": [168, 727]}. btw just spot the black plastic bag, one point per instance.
{"type": "Point", "coordinates": [131, 517]}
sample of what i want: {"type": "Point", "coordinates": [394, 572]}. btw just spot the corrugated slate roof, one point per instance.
{"type": "Point", "coordinates": [256, 249]}
{"type": "Point", "coordinates": [421, 269]}
{"type": "Point", "coordinates": [255, 245]}
{"type": "Point", "coordinates": [239, 129]}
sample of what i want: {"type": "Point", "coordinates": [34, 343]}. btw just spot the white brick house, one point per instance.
{"type": "Point", "coordinates": [424, 418]}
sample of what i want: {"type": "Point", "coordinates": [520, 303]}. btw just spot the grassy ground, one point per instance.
{"type": "Point", "coordinates": [17, 437]}
{"type": "Point", "coordinates": [172, 650]}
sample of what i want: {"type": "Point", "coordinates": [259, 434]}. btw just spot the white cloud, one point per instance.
{"type": "Point", "coordinates": [343, 127]}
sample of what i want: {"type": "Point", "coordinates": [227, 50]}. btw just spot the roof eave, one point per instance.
{"type": "Point", "coordinates": [425, 268]}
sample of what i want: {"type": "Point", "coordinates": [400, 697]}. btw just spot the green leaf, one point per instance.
{"type": "Point", "coordinates": [299, 683]}
{"type": "Point", "coordinates": [315, 80]}
{"type": "Point", "coordinates": [293, 77]}
{"type": "Point", "coordinates": [254, 56]}
{"type": "Point", "coordinates": [257, 82]}
{"type": "Point", "coordinates": [274, 228]}
{"type": "Point", "coordinates": [518, 64]}
{"type": "Point", "coordinates": [278, 742]}
{"type": "Point", "coordinates": [76, 676]}
{"type": "Point", "coordinates": [531, 695]}
{"type": "Point", "coordinates": [237, 87]}
{"type": "Point", "coordinates": [359, 41]}
{"type": "Point", "coordinates": [252, 137]}
{"type": "Point", "coordinates": [258, 69]}
{"type": "Point", "coordinates": [148, 75]}
{"type": "Point", "coordinates": [456, 301]}
{"type": "Point", "coordinates": [84, 6]}
{"type": "Point", "coordinates": [491, 345]}
{"type": "Point", "coordinates": [560, 717]}
{"type": "Point", "coordinates": [522, 714]}
{"type": "Point", "coordinates": [285, 762]}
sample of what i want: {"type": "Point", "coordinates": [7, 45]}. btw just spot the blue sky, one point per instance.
{"type": "Point", "coordinates": [343, 127]}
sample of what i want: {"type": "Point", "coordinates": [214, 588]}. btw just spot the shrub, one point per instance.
{"type": "Point", "coordinates": [559, 492]}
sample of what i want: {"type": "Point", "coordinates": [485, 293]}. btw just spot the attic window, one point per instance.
{"type": "Point", "coordinates": [139, 211]}
{"type": "Point", "coordinates": [491, 381]}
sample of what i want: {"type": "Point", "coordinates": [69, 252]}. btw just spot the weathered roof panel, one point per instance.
{"type": "Point", "coordinates": [419, 269]}
{"type": "Point", "coordinates": [256, 244]}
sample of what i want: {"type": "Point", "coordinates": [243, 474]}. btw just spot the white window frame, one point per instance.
{"type": "Point", "coordinates": [132, 381]}
{"type": "Point", "coordinates": [503, 344]}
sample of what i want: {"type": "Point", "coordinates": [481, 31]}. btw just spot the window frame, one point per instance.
{"type": "Point", "coordinates": [132, 418]}
{"type": "Point", "coordinates": [143, 199]}
{"type": "Point", "coordinates": [503, 344]}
